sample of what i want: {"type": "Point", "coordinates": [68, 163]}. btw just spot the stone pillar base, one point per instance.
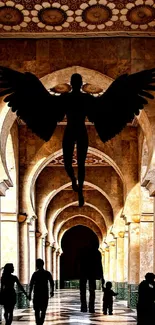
{"type": "Point", "coordinates": [71, 284]}
{"type": "Point", "coordinates": [122, 289]}
{"type": "Point", "coordinates": [74, 284]}
{"type": "Point", "coordinates": [22, 302]}
{"type": "Point", "coordinates": [132, 295]}
{"type": "Point", "coordinates": [125, 290]}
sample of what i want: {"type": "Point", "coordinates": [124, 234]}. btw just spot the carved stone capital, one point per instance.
{"type": "Point", "coordinates": [38, 234]}
{"type": "Point", "coordinates": [47, 243]}
{"type": "Point", "coordinates": [121, 234]}
{"type": "Point", "coordinates": [22, 217]}
{"type": "Point", "coordinates": [3, 187]}
{"type": "Point", "coordinates": [112, 244]}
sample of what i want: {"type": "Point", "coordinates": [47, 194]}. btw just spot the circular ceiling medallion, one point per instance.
{"type": "Point", "coordinates": [52, 16]}
{"type": "Point", "coordinates": [61, 88]}
{"type": "Point", "coordinates": [91, 89]}
{"type": "Point", "coordinates": [96, 14]}
{"type": "Point", "coordinates": [10, 16]}
{"type": "Point", "coordinates": [141, 14]}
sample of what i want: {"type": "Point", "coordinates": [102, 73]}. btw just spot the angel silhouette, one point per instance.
{"type": "Point", "coordinates": [109, 112]}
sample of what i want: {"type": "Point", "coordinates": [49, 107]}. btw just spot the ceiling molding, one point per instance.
{"type": "Point", "coordinates": [77, 35]}
{"type": "Point", "coordinates": [82, 18]}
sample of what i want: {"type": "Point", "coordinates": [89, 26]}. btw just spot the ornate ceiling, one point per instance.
{"type": "Point", "coordinates": [91, 160]}
{"type": "Point", "coordinates": [76, 18]}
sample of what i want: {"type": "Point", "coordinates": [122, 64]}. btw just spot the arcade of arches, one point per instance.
{"type": "Point", "coordinates": [40, 217]}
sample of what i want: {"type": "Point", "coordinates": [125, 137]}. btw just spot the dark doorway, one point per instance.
{"type": "Point", "coordinates": [72, 242]}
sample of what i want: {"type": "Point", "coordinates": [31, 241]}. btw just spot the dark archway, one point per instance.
{"type": "Point", "coordinates": [73, 241]}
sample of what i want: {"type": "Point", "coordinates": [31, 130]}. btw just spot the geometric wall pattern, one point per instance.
{"type": "Point", "coordinates": [74, 18]}
{"type": "Point", "coordinates": [91, 160]}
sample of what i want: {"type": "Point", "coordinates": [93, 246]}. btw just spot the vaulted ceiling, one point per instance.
{"type": "Point", "coordinates": [76, 18]}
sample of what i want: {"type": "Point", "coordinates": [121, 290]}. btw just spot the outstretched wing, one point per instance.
{"type": "Point", "coordinates": [27, 96]}
{"type": "Point", "coordinates": [121, 102]}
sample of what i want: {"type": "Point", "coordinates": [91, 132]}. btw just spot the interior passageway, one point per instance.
{"type": "Point", "coordinates": [39, 212]}
{"type": "Point", "coordinates": [73, 241]}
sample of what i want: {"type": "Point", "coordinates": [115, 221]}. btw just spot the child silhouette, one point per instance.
{"type": "Point", "coordinates": [108, 298]}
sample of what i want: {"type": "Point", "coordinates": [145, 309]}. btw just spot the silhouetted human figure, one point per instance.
{"type": "Point", "coordinates": [108, 298]}
{"type": "Point", "coordinates": [39, 285]}
{"type": "Point", "coordinates": [8, 293]}
{"type": "Point", "coordinates": [146, 301]}
{"type": "Point", "coordinates": [90, 270]}
{"type": "Point", "coordinates": [110, 112]}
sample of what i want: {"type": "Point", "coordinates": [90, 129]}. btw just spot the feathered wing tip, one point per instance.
{"type": "Point", "coordinates": [27, 96]}
{"type": "Point", "coordinates": [124, 99]}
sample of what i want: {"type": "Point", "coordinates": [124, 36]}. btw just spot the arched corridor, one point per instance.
{"type": "Point", "coordinates": [39, 212]}
{"type": "Point", "coordinates": [73, 242]}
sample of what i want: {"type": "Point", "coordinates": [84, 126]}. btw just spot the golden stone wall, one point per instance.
{"type": "Point", "coordinates": [110, 56]}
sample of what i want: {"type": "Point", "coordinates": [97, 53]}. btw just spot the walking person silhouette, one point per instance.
{"type": "Point", "coordinates": [39, 285]}
{"type": "Point", "coordinates": [90, 269]}
{"type": "Point", "coordinates": [8, 293]}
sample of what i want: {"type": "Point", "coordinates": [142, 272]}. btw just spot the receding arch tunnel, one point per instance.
{"type": "Point", "coordinates": [73, 241]}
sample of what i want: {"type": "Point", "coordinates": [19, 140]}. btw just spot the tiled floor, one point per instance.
{"type": "Point", "coordinates": [64, 309]}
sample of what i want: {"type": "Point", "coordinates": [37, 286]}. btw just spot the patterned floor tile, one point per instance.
{"type": "Point", "coordinates": [64, 309]}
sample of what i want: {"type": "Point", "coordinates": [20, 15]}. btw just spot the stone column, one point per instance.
{"type": "Point", "coordinates": [51, 260]}
{"type": "Point", "coordinates": [32, 239]}
{"type": "Point", "coordinates": [146, 244]}
{"type": "Point", "coordinates": [120, 265]}
{"type": "Point", "coordinates": [58, 269]}
{"type": "Point", "coordinates": [24, 267]}
{"type": "Point", "coordinates": [48, 256]}
{"type": "Point", "coordinates": [133, 263]}
{"type": "Point", "coordinates": [39, 245]}
{"type": "Point", "coordinates": [126, 239]}
{"type": "Point", "coordinates": [102, 260]}
{"type": "Point", "coordinates": [54, 263]}
{"type": "Point", "coordinates": [112, 261]}
{"type": "Point", "coordinates": [9, 240]}
{"type": "Point", "coordinates": [43, 248]}
{"type": "Point", "coordinates": [23, 249]}
{"type": "Point", "coordinates": [106, 264]}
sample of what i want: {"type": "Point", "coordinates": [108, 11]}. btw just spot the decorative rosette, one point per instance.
{"type": "Point", "coordinates": [140, 14]}
{"type": "Point", "coordinates": [55, 16]}
{"type": "Point", "coordinates": [92, 89]}
{"type": "Point", "coordinates": [13, 16]}
{"type": "Point", "coordinates": [96, 14]}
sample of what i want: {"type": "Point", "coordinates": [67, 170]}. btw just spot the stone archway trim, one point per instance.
{"type": "Point", "coordinates": [43, 227]}
{"type": "Point", "coordinates": [76, 218]}
{"type": "Point", "coordinates": [57, 229]}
